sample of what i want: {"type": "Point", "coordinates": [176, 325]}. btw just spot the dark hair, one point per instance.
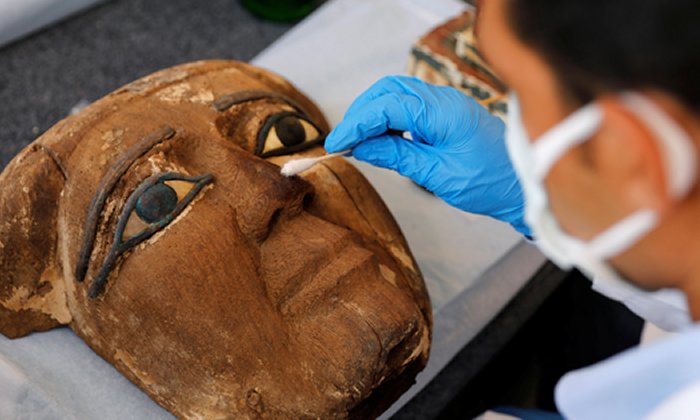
{"type": "Point", "coordinates": [598, 46]}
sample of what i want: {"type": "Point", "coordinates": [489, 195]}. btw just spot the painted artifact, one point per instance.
{"type": "Point", "coordinates": [155, 223]}
{"type": "Point", "coordinates": [449, 55]}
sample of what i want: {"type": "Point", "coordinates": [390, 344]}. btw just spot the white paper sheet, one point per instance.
{"type": "Point", "coordinates": [55, 375]}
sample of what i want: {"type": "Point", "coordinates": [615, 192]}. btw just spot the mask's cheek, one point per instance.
{"type": "Point", "coordinates": [344, 197]}
{"type": "Point", "coordinates": [192, 290]}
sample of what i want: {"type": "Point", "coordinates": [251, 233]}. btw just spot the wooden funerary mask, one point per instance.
{"type": "Point", "coordinates": [156, 225]}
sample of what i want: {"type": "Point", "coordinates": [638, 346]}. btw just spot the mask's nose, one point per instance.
{"type": "Point", "coordinates": [275, 196]}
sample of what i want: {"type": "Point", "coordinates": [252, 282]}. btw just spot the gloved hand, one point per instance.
{"type": "Point", "coordinates": [458, 150]}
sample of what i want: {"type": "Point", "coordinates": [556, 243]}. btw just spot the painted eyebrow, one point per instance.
{"type": "Point", "coordinates": [227, 101]}
{"type": "Point", "coordinates": [105, 188]}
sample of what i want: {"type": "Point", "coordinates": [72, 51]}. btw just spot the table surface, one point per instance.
{"type": "Point", "coordinates": [473, 266]}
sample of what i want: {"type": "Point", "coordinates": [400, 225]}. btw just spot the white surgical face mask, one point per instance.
{"type": "Point", "coordinates": [533, 161]}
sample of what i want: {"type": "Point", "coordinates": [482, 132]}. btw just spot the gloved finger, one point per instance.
{"type": "Point", "coordinates": [414, 160]}
{"type": "Point", "coordinates": [387, 112]}
{"type": "Point", "coordinates": [386, 85]}
{"type": "Point", "coordinates": [448, 111]}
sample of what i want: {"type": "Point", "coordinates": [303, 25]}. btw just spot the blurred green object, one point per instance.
{"type": "Point", "coordinates": [281, 10]}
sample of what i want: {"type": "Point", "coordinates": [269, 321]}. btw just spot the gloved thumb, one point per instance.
{"type": "Point", "coordinates": [411, 159]}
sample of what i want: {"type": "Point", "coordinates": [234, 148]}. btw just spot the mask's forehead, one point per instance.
{"type": "Point", "coordinates": [196, 87]}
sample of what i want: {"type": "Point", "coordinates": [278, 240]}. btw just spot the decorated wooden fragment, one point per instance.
{"type": "Point", "coordinates": [156, 224]}
{"type": "Point", "coordinates": [449, 55]}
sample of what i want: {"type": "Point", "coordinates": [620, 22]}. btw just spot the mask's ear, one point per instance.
{"type": "Point", "coordinates": [32, 290]}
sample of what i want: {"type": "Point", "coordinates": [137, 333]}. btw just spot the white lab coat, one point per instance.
{"type": "Point", "coordinates": [658, 381]}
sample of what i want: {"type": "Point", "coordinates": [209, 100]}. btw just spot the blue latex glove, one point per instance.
{"type": "Point", "coordinates": [458, 150]}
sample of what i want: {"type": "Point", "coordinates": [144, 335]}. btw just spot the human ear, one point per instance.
{"type": "Point", "coordinates": [32, 289]}
{"type": "Point", "coordinates": [627, 157]}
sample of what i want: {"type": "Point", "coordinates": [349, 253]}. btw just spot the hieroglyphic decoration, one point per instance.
{"type": "Point", "coordinates": [448, 55]}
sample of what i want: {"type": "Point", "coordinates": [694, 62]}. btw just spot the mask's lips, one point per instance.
{"type": "Point", "coordinates": [328, 278]}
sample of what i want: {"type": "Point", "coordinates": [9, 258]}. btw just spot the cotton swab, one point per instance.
{"type": "Point", "coordinates": [296, 166]}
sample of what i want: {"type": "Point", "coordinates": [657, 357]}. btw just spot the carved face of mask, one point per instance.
{"type": "Point", "coordinates": [156, 225]}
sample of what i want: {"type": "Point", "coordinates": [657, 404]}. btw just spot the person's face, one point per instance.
{"type": "Point", "coordinates": [600, 182]}
{"type": "Point", "coordinates": [542, 106]}
{"type": "Point", "coordinates": [252, 292]}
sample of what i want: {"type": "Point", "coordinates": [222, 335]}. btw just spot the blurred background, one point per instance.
{"type": "Point", "coordinates": [58, 54]}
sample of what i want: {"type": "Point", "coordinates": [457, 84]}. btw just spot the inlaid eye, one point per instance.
{"type": "Point", "coordinates": [286, 133]}
{"type": "Point", "coordinates": [290, 131]}
{"type": "Point", "coordinates": [155, 203]}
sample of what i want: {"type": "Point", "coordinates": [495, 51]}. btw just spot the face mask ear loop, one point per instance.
{"type": "Point", "coordinates": [677, 148]}
{"type": "Point", "coordinates": [680, 164]}
{"type": "Point", "coordinates": [622, 235]}
{"type": "Point", "coordinates": [572, 131]}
